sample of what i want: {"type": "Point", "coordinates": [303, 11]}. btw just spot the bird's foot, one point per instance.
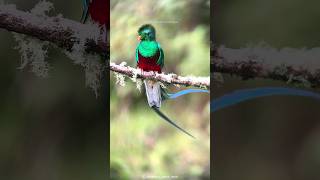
{"type": "Point", "coordinates": [154, 73]}
{"type": "Point", "coordinates": [141, 72]}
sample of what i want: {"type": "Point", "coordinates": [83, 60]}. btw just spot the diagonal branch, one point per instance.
{"type": "Point", "coordinates": [202, 82]}
{"type": "Point", "coordinates": [60, 31]}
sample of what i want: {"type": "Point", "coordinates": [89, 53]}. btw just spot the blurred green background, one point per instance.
{"type": "Point", "coordinates": [271, 137]}
{"type": "Point", "coordinates": [141, 143]}
{"type": "Point", "coordinates": [54, 127]}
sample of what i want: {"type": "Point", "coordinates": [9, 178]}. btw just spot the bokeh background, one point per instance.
{"type": "Point", "coordinates": [53, 127]}
{"type": "Point", "coordinates": [271, 137]}
{"type": "Point", "coordinates": [141, 143]}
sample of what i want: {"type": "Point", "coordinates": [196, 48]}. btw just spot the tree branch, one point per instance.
{"type": "Point", "coordinates": [202, 82]}
{"type": "Point", "coordinates": [62, 32]}
{"type": "Point", "coordinates": [290, 65]}
{"type": "Point", "coordinates": [66, 33]}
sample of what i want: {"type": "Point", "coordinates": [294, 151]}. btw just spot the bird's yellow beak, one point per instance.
{"type": "Point", "coordinates": [139, 38]}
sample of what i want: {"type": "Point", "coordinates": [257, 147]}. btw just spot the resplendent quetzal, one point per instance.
{"type": "Point", "coordinates": [150, 57]}
{"type": "Point", "coordinates": [99, 11]}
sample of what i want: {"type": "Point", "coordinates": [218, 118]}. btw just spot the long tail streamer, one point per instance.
{"type": "Point", "coordinates": [248, 94]}
{"type": "Point", "coordinates": [85, 7]}
{"type": "Point", "coordinates": [186, 91]}
{"type": "Point", "coordinates": [169, 121]}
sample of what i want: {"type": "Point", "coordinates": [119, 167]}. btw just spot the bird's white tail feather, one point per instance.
{"type": "Point", "coordinates": [153, 92]}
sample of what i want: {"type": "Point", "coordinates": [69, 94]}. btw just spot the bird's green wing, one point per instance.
{"type": "Point", "coordinates": [137, 54]}
{"type": "Point", "coordinates": [85, 11]}
{"type": "Point", "coordinates": [164, 94]}
{"type": "Point", "coordinates": [160, 61]}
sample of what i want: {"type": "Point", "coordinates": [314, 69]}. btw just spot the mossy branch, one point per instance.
{"type": "Point", "coordinates": [268, 63]}
{"type": "Point", "coordinates": [201, 82]}
{"type": "Point", "coordinates": [60, 31]}
{"type": "Point", "coordinates": [66, 33]}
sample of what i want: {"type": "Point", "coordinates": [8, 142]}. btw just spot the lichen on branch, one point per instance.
{"type": "Point", "coordinates": [35, 31]}
{"type": "Point", "coordinates": [58, 30]}
{"type": "Point", "coordinates": [200, 82]}
{"type": "Point", "coordinates": [299, 67]}
{"type": "Point", "coordinates": [81, 43]}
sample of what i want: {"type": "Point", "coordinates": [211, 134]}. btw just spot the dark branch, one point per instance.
{"type": "Point", "coordinates": [253, 67]}
{"type": "Point", "coordinates": [57, 30]}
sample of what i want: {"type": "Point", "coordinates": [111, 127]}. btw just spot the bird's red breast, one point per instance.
{"type": "Point", "coordinates": [149, 63]}
{"type": "Point", "coordinates": [99, 11]}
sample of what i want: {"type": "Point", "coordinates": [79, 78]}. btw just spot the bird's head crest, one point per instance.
{"type": "Point", "coordinates": [147, 32]}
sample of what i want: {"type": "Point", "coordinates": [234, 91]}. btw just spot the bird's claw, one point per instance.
{"type": "Point", "coordinates": [155, 73]}
{"type": "Point", "coordinates": [141, 72]}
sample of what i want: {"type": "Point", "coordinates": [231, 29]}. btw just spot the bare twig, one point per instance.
{"type": "Point", "coordinates": [202, 82]}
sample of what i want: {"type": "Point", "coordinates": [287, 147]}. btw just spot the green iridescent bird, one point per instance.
{"type": "Point", "coordinates": [150, 57]}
